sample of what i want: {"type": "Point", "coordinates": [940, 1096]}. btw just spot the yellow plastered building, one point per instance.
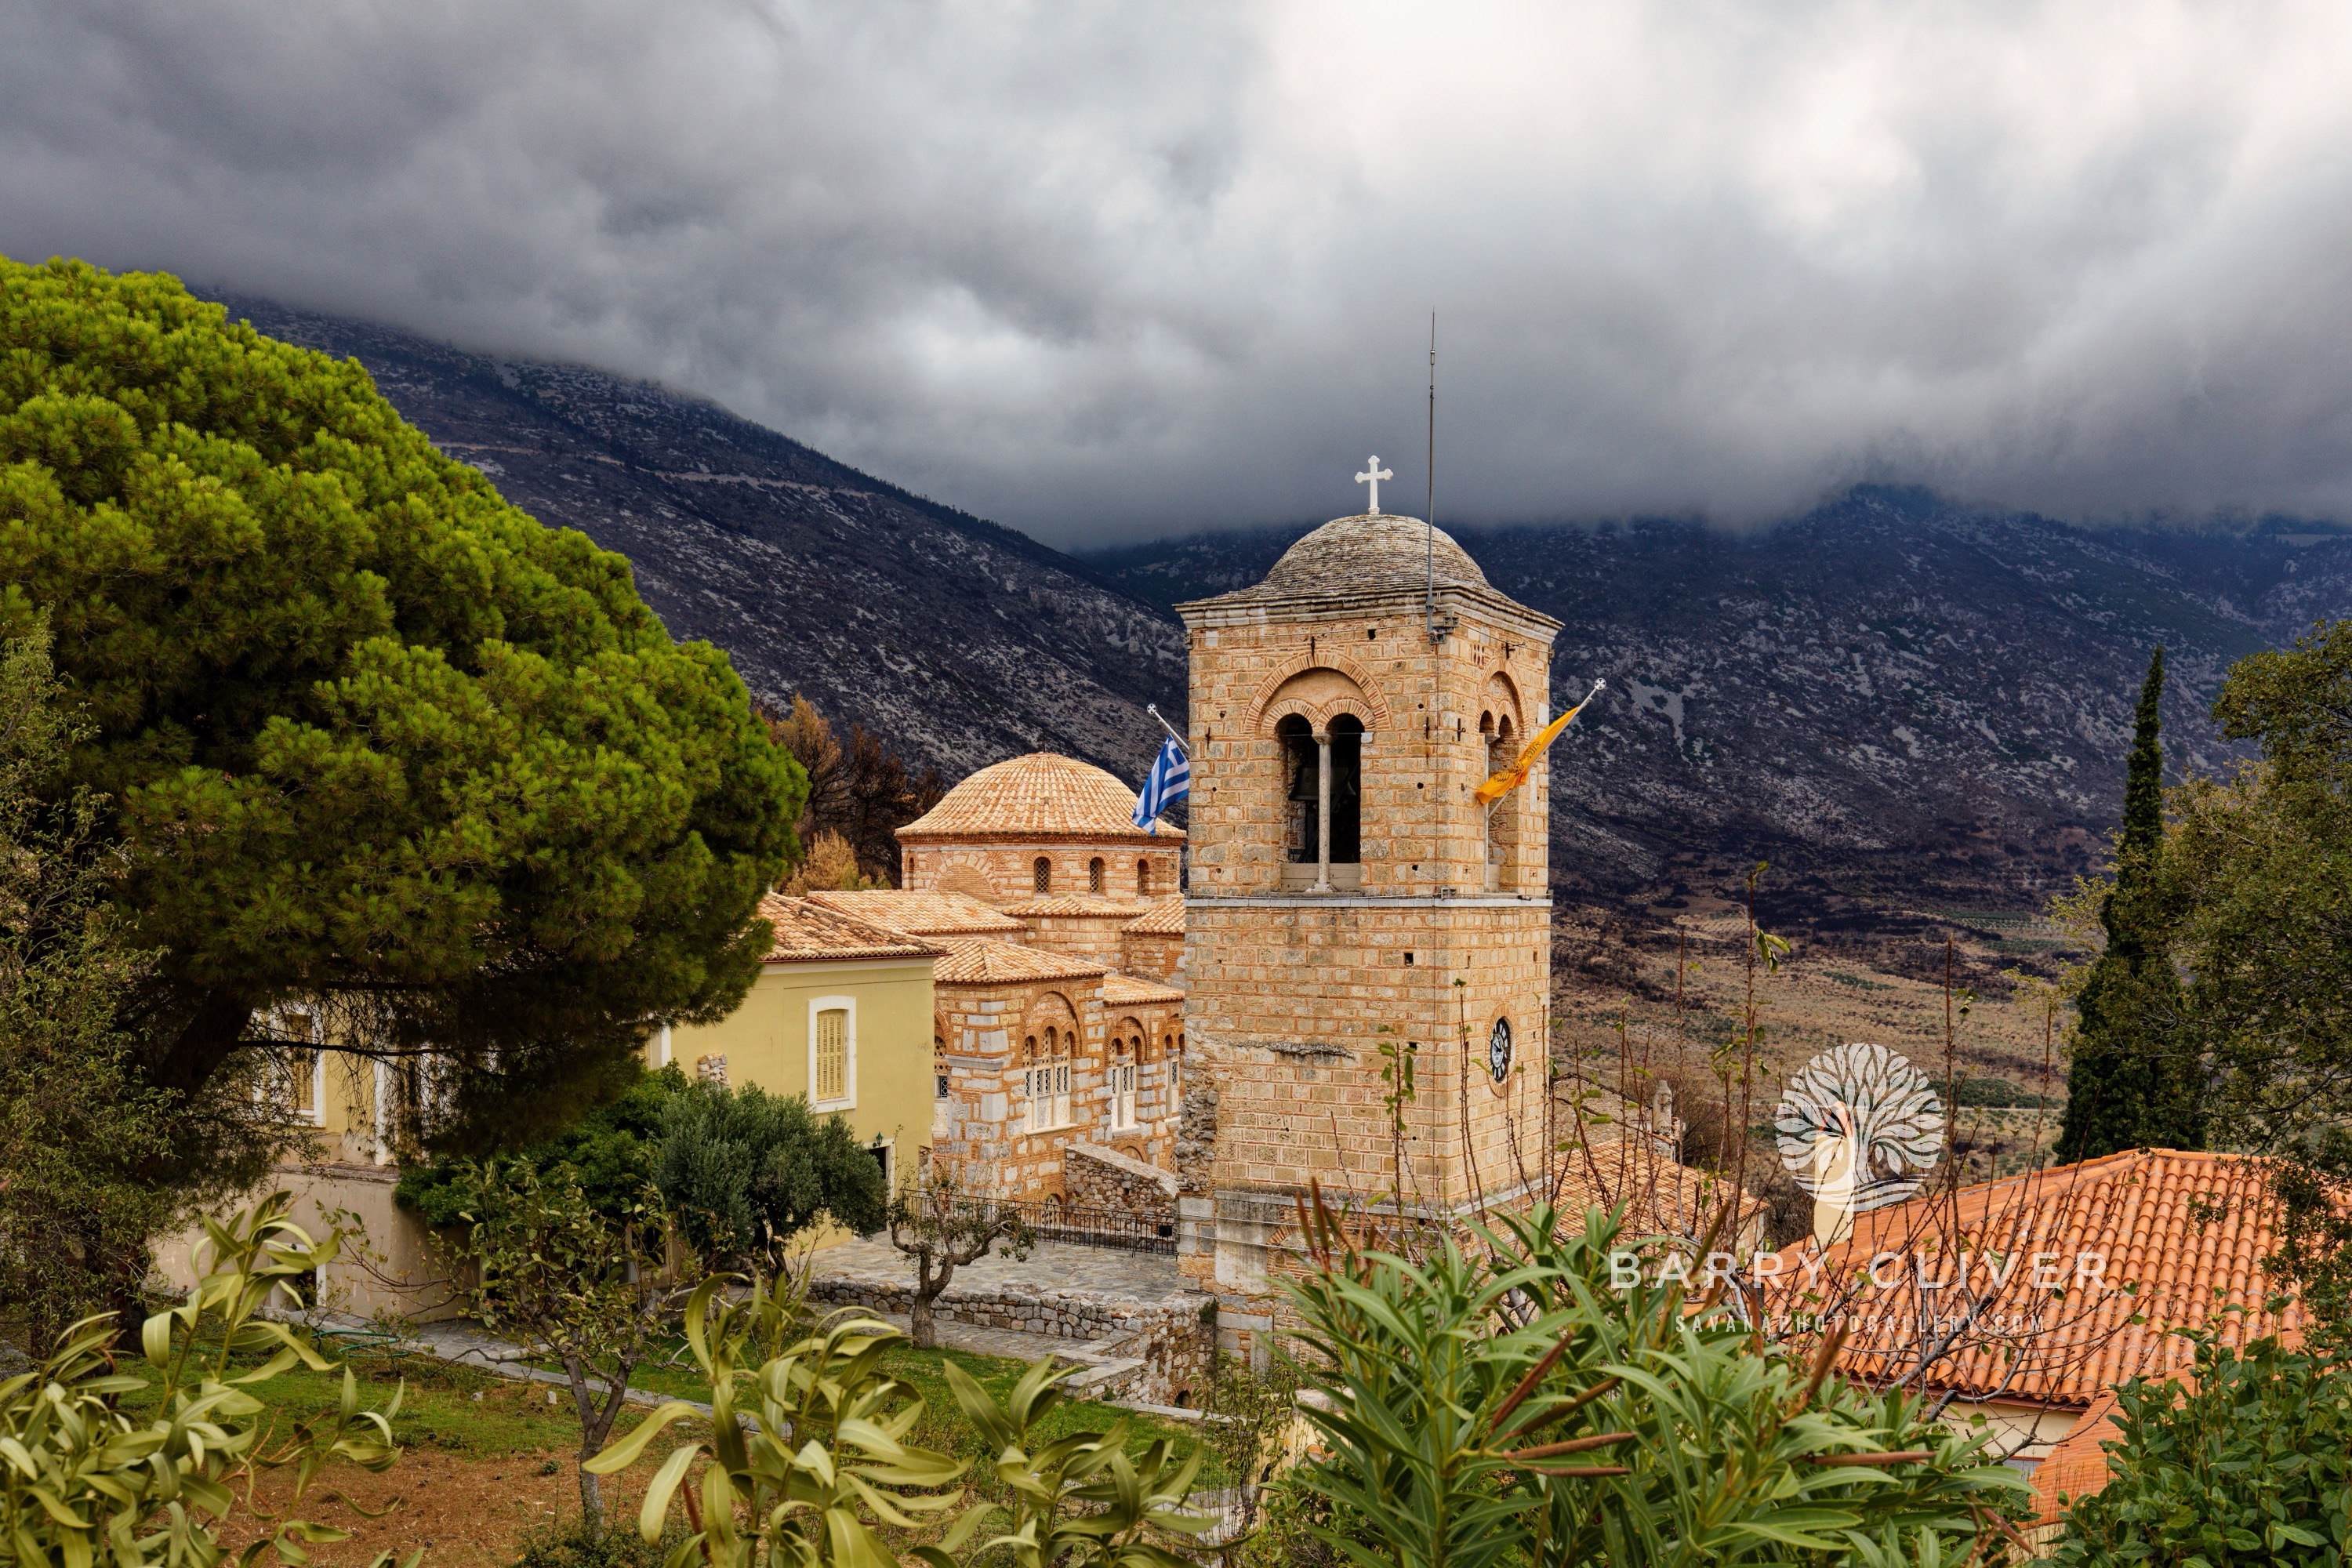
{"type": "Point", "coordinates": [842, 1013]}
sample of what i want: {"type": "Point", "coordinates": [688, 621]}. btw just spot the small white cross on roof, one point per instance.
{"type": "Point", "coordinates": [1372, 475]}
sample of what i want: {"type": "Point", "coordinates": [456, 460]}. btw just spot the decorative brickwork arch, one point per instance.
{"type": "Point", "coordinates": [1347, 687]}
{"type": "Point", "coordinates": [1050, 1009]}
{"type": "Point", "coordinates": [958, 876]}
{"type": "Point", "coordinates": [1502, 701]}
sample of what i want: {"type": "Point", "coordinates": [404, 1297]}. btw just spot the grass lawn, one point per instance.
{"type": "Point", "coordinates": [446, 1408]}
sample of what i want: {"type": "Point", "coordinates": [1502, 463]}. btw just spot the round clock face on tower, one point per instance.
{"type": "Point", "coordinates": [1499, 1050]}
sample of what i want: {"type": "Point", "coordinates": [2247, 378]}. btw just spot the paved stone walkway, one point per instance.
{"type": "Point", "coordinates": [1146, 1277]}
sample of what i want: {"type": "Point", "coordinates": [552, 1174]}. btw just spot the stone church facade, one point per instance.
{"type": "Point", "coordinates": [1057, 1034]}
{"type": "Point", "coordinates": [1349, 904]}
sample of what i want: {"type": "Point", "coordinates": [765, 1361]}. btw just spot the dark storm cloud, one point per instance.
{"type": "Point", "coordinates": [1104, 271]}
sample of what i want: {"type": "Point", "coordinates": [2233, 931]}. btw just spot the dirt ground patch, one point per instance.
{"type": "Point", "coordinates": [466, 1511]}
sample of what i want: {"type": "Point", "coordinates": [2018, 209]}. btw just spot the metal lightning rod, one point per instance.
{"type": "Point", "coordinates": [1429, 508]}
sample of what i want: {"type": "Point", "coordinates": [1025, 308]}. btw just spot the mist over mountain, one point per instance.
{"type": "Point", "coordinates": [1900, 701]}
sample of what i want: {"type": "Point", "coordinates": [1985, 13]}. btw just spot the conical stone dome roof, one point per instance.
{"type": "Point", "coordinates": [1039, 797]}
{"type": "Point", "coordinates": [1374, 553]}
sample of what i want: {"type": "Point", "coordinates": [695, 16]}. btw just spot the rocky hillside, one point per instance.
{"type": "Point", "coordinates": [958, 642]}
{"type": "Point", "coordinates": [1895, 699]}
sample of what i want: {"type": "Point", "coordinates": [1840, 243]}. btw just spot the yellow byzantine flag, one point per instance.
{"type": "Point", "coordinates": [1512, 777]}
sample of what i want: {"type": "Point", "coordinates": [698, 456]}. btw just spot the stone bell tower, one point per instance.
{"type": "Point", "coordinates": [1350, 904]}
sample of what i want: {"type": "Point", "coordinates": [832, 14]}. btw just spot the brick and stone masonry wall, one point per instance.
{"type": "Point", "coordinates": [1009, 869]}
{"type": "Point", "coordinates": [982, 1127]}
{"type": "Point", "coordinates": [1105, 1178]}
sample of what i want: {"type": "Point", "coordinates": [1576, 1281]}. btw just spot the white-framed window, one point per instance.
{"type": "Point", "coordinates": [1122, 1096]}
{"type": "Point", "coordinates": [1045, 1083]}
{"type": "Point", "coordinates": [297, 1076]}
{"type": "Point", "coordinates": [832, 1053]}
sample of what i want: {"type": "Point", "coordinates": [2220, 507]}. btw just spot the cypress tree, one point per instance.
{"type": "Point", "coordinates": [2129, 1086]}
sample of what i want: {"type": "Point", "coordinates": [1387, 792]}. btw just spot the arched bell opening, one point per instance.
{"type": "Point", "coordinates": [1300, 758]}
{"type": "Point", "coordinates": [1347, 790]}
{"type": "Point", "coordinates": [1334, 849]}
{"type": "Point", "coordinates": [1503, 817]}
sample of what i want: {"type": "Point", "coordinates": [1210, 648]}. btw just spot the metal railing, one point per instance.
{"type": "Point", "coordinates": [1076, 1225]}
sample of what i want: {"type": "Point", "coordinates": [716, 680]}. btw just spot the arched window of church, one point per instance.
{"type": "Point", "coordinates": [1503, 817]}
{"type": "Point", "coordinates": [1096, 877]}
{"type": "Point", "coordinates": [1346, 789]}
{"type": "Point", "coordinates": [1046, 1083]}
{"type": "Point", "coordinates": [1143, 879]}
{"type": "Point", "coordinates": [1062, 1065]}
{"type": "Point", "coordinates": [1300, 759]}
{"type": "Point", "coordinates": [1044, 871]}
{"type": "Point", "coordinates": [1122, 1085]}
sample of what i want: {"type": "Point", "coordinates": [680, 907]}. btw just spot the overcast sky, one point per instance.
{"type": "Point", "coordinates": [1106, 271]}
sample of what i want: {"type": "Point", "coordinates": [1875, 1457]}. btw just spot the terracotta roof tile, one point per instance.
{"type": "Point", "coordinates": [807, 931]}
{"type": "Point", "coordinates": [2190, 1230]}
{"type": "Point", "coordinates": [981, 961]}
{"type": "Point", "coordinates": [922, 914]}
{"type": "Point", "coordinates": [1133, 991]}
{"type": "Point", "coordinates": [1044, 796]}
{"type": "Point", "coordinates": [1083, 904]}
{"type": "Point", "coordinates": [1166, 919]}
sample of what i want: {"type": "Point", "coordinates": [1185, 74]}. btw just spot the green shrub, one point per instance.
{"type": "Point", "coordinates": [744, 1170]}
{"type": "Point", "coordinates": [101, 1465]}
{"type": "Point", "coordinates": [1511, 1406]}
{"type": "Point", "coordinates": [2254, 1464]}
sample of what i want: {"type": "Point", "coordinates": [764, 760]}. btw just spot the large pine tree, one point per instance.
{"type": "Point", "coordinates": [2131, 1086]}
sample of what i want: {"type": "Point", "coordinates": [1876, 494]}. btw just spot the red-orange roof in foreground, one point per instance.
{"type": "Point", "coordinates": [2190, 1230]}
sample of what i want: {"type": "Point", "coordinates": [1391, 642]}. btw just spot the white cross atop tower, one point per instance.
{"type": "Point", "coordinates": [1372, 475]}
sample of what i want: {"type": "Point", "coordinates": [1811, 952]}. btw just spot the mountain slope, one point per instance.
{"type": "Point", "coordinates": [1893, 698]}
{"type": "Point", "coordinates": [958, 642]}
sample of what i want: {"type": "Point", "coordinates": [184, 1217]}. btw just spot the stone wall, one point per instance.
{"type": "Point", "coordinates": [1158, 955]}
{"type": "Point", "coordinates": [1173, 1344]}
{"type": "Point", "coordinates": [1105, 1178]}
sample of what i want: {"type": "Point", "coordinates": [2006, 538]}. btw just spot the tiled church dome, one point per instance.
{"type": "Point", "coordinates": [1373, 553]}
{"type": "Point", "coordinates": [1040, 797]}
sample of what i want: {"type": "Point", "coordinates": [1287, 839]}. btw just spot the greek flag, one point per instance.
{"type": "Point", "coordinates": [1169, 780]}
